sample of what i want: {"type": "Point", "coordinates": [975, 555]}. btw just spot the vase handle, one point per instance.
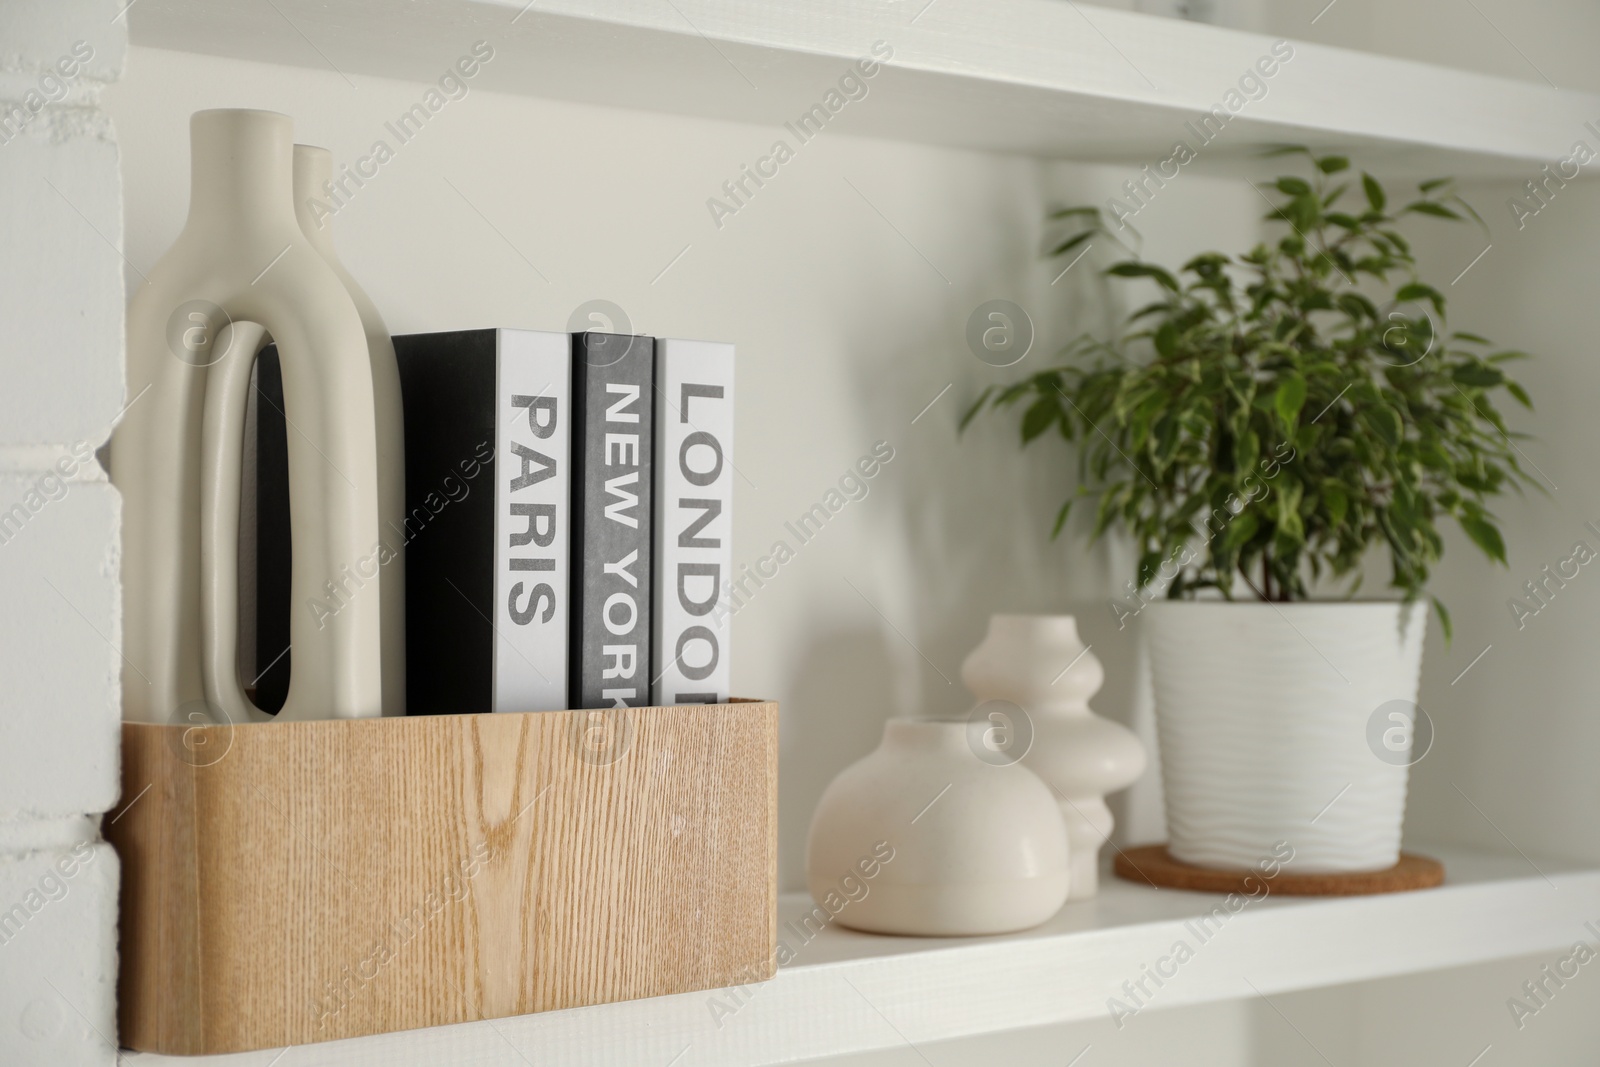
{"type": "Point", "coordinates": [221, 471]}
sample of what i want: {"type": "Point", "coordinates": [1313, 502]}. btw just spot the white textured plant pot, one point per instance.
{"type": "Point", "coordinates": [975, 848]}
{"type": "Point", "coordinates": [1262, 717]}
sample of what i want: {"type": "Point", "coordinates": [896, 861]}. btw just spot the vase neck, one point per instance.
{"type": "Point", "coordinates": [927, 735]}
{"type": "Point", "coordinates": [1035, 629]}
{"type": "Point", "coordinates": [241, 171]}
{"type": "Point", "coordinates": [312, 168]}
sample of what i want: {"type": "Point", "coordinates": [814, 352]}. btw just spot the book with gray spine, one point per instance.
{"type": "Point", "coordinates": [613, 447]}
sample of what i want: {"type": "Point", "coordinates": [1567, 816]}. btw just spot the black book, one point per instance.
{"type": "Point", "coordinates": [488, 432]}
{"type": "Point", "coordinates": [613, 476]}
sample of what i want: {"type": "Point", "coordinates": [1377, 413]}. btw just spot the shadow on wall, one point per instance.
{"type": "Point", "coordinates": [971, 513]}
{"type": "Point", "coordinates": [974, 510]}
{"type": "Point", "coordinates": [964, 521]}
{"type": "Point", "coordinates": [837, 703]}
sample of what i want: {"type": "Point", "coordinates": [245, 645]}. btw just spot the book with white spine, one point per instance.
{"type": "Point", "coordinates": [694, 520]}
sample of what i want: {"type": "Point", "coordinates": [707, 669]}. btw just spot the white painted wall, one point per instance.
{"type": "Point", "coordinates": [848, 322]}
{"type": "Point", "coordinates": [61, 362]}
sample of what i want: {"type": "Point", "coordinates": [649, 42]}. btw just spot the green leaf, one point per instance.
{"type": "Point", "coordinates": [1061, 519]}
{"type": "Point", "coordinates": [1433, 183]}
{"type": "Point", "coordinates": [1289, 399]}
{"type": "Point", "coordinates": [1290, 526]}
{"type": "Point", "coordinates": [1485, 535]}
{"type": "Point", "coordinates": [1480, 375]}
{"type": "Point", "coordinates": [1428, 207]}
{"type": "Point", "coordinates": [1239, 530]}
{"type": "Point", "coordinates": [1520, 393]}
{"type": "Point", "coordinates": [1386, 423]}
{"type": "Point", "coordinates": [1420, 291]}
{"type": "Point", "coordinates": [1293, 186]}
{"type": "Point", "coordinates": [1069, 212]}
{"type": "Point", "coordinates": [1072, 242]}
{"type": "Point", "coordinates": [1444, 619]}
{"type": "Point", "coordinates": [1133, 269]}
{"type": "Point", "coordinates": [1357, 306]}
{"type": "Point", "coordinates": [977, 406]}
{"type": "Point", "coordinates": [1338, 503]}
{"type": "Point", "coordinates": [1374, 192]}
{"type": "Point", "coordinates": [1472, 213]}
{"type": "Point", "coordinates": [1166, 339]}
{"type": "Point", "coordinates": [1333, 164]}
{"type": "Point", "coordinates": [1038, 417]}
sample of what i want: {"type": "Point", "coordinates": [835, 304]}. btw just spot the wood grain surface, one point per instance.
{"type": "Point", "coordinates": [1153, 865]}
{"type": "Point", "coordinates": [285, 883]}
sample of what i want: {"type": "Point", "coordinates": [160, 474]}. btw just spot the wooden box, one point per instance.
{"type": "Point", "coordinates": [285, 883]}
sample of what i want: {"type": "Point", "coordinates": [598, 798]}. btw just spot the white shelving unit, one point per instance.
{"type": "Point", "coordinates": [1046, 78]}
{"type": "Point", "coordinates": [1038, 77]}
{"type": "Point", "coordinates": [849, 992]}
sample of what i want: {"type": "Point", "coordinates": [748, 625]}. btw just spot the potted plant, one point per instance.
{"type": "Point", "coordinates": [1270, 420]}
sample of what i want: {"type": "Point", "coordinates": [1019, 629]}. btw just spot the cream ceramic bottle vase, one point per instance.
{"type": "Point", "coordinates": [313, 175]}
{"type": "Point", "coordinates": [243, 272]}
{"type": "Point", "coordinates": [1040, 675]}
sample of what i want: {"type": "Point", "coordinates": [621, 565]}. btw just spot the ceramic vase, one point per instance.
{"type": "Point", "coordinates": [1035, 670]}
{"type": "Point", "coordinates": [1272, 721]}
{"type": "Point", "coordinates": [313, 175]}
{"type": "Point", "coordinates": [243, 273]}
{"type": "Point", "coordinates": [955, 845]}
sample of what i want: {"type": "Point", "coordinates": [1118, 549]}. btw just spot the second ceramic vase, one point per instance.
{"type": "Point", "coordinates": [1039, 664]}
{"type": "Point", "coordinates": [241, 272]}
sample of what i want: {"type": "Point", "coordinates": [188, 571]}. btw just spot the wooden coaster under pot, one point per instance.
{"type": "Point", "coordinates": [1151, 865]}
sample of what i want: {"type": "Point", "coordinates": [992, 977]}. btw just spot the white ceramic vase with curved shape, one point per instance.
{"type": "Point", "coordinates": [221, 450]}
{"type": "Point", "coordinates": [1039, 664]}
{"type": "Point", "coordinates": [1265, 715]}
{"type": "Point", "coordinates": [972, 848]}
{"type": "Point", "coordinates": [243, 271]}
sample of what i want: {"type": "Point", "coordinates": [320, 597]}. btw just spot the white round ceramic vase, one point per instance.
{"type": "Point", "coordinates": [955, 845]}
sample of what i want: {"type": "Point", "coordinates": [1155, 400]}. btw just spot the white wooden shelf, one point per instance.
{"type": "Point", "coordinates": [1041, 77]}
{"type": "Point", "coordinates": [849, 992]}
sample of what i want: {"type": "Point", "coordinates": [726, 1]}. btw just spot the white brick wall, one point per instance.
{"type": "Point", "coordinates": [59, 705]}
{"type": "Point", "coordinates": [61, 387]}
{"type": "Point", "coordinates": [58, 956]}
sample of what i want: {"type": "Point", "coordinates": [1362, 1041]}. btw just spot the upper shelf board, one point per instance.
{"type": "Point", "coordinates": [847, 992]}
{"type": "Point", "coordinates": [1050, 78]}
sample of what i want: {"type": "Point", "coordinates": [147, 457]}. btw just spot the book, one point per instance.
{"type": "Point", "coordinates": [489, 425]}
{"type": "Point", "coordinates": [613, 445]}
{"type": "Point", "coordinates": [694, 520]}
